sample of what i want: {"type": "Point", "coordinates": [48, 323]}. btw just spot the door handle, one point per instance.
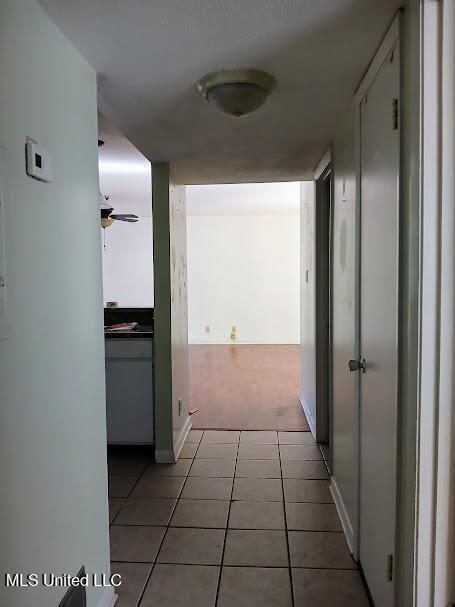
{"type": "Point", "coordinates": [358, 365]}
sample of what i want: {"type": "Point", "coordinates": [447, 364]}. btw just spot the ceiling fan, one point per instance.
{"type": "Point", "coordinates": [108, 217]}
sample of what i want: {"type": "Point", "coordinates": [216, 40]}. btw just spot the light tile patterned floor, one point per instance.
{"type": "Point", "coordinates": [244, 519]}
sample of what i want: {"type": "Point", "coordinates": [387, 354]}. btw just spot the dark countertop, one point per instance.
{"type": "Point", "coordinates": [143, 316]}
{"type": "Point", "coordinates": [142, 332]}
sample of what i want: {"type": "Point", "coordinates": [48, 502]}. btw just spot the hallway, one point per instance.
{"type": "Point", "coordinates": [243, 519]}
{"type": "Point", "coordinates": [246, 387]}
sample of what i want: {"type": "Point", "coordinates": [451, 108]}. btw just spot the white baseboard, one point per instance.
{"type": "Point", "coordinates": [170, 456]}
{"type": "Point", "coordinates": [182, 438]}
{"type": "Point", "coordinates": [342, 513]}
{"type": "Point", "coordinates": [308, 415]}
{"type": "Point", "coordinates": [164, 456]}
{"type": "Point", "coordinates": [108, 598]}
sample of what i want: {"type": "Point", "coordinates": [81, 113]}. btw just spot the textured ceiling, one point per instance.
{"type": "Point", "coordinates": [149, 54]}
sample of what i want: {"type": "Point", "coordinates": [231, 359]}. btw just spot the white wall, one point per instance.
{"type": "Point", "coordinates": [125, 176]}
{"type": "Point", "coordinates": [53, 509]}
{"type": "Point", "coordinates": [243, 271]}
{"type": "Point", "coordinates": [128, 261]}
{"type": "Point", "coordinates": [307, 302]}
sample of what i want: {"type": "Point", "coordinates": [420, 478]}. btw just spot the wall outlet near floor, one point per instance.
{"type": "Point", "coordinates": [207, 328]}
{"type": "Point", "coordinates": [233, 333]}
{"type": "Point", "coordinates": [180, 405]}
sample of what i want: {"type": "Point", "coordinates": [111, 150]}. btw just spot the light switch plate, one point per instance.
{"type": "Point", "coordinates": [39, 164]}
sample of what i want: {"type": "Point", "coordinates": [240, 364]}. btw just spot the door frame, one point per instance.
{"type": "Point", "coordinates": [323, 304]}
{"type": "Point", "coordinates": [435, 503]}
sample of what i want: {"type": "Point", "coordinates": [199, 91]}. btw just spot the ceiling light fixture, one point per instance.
{"type": "Point", "coordinates": [236, 92]}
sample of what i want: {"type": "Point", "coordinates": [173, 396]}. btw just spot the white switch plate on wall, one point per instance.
{"type": "Point", "coordinates": [39, 164]}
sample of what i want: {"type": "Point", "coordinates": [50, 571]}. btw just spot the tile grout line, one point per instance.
{"type": "Point", "coordinates": [163, 538]}
{"type": "Point", "coordinates": [286, 525]}
{"type": "Point", "coordinates": [129, 494]}
{"type": "Point", "coordinates": [227, 524]}
{"type": "Point", "coordinates": [226, 528]}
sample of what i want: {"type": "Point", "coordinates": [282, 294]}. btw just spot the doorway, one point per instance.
{"type": "Point", "coordinates": [324, 238]}
{"type": "Point", "coordinates": [244, 306]}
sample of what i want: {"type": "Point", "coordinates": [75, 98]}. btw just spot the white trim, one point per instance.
{"type": "Point", "coordinates": [444, 523]}
{"type": "Point", "coordinates": [309, 417]}
{"type": "Point", "coordinates": [390, 39]}
{"type": "Point", "coordinates": [323, 164]}
{"type": "Point", "coordinates": [343, 514]}
{"type": "Point", "coordinates": [164, 456]}
{"type": "Point", "coordinates": [108, 598]}
{"type": "Point", "coordinates": [429, 301]}
{"type": "Point", "coordinates": [182, 438]}
{"type": "Point", "coordinates": [434, 580]}
{"type": "Point", "coordinates": [170, 456]}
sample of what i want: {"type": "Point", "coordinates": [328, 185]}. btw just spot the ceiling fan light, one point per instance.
{"type": "Point", "coordinates": [236, 92]}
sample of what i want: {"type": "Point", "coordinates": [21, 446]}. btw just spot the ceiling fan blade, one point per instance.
{"type": "Point", "coordinates": [125, 217]}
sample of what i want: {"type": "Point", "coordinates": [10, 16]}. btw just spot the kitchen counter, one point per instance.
{"type": "Point", "coordinates": [143, 316]}
{"type": "Point", "coordinates": [141, 332]}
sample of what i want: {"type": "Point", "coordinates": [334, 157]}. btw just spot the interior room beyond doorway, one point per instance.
{"type": "Point", "coordinates": [243, 245]}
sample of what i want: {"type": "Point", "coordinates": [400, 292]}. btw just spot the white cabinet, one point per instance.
{"type": "Point", "coordinates": [129, 390]}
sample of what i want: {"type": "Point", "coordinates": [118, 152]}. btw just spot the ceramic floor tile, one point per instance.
{"type": "Point", "coordinates": [256, 515]}
{"type": "Point", "coordinates": [258, 490]}
{"type": "Point", "coordinates": [134, 578]}
{"type": "Point", "coordinates": [312, 517]}
{"type": "Point", "coordinates": [189, 450]}
{"type": "Point", "coordinates": [259, 437]}
{"type": "Point", "coordinates": [258, 469]}
{"type": "Point", "coordinates": [194, 436]}
{"type": "Point", "coordinates": [121, 485]}
{"type": "Point", "coordinates": [256, 548]}
{"type": "Point", "coordinates": [320, 587]}
{"type": "Point", "coordinates": [254, 587]}
{"type": "Point", "coordinates": [299, 490]}
{"type": "Point", "coordinates": [320, 550]}
{"type": "Point", "coordinates": [196, 587]}
{"type": "Point", "coordinates": [295, 438]}
{"type": "Point", "coordinates": [192, 546]}
{"type": "Point", "coordinates": [221, 436]}
{"type": "Point", "coordinates": [216, 451]}
{"type": "Point", "coordinates": [135, 544]}
{"type": "Point", "coordinates": [304, 469]}
{"type": "Point", "coordinates": [181, 468]}
{"type": "Point", "coordinates": [215, 468]}
{"type": "Point", "coordinates": [115, 503]}
{"type": "Point", "coordinates": [211, 514]}
{"type": "Point", "coordinates": [127, 462]}
{"type": "Point", "coordinates": [160, 486]}
{"type": "Point", "coordinates": [247, 451]}
{"type": "Point", "coordinates": [207, 488]}
{"type": "Point", "coordinates": [300, 452]}
{"type": "Point", "coordinates": [146, 511]}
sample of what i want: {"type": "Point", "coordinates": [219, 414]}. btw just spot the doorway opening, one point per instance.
{"type": "Point", "coordinates": [243, 243]}
{"type": "Point", "coordinates": [323, 312]}
{"type": "Point", "coordinates": [128, 289]}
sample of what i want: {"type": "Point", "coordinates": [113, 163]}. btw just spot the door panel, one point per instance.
{"type": "Point", "coordinates": [379, 328]}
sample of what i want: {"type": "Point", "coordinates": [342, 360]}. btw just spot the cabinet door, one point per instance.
{"type": "Point", "coordinates": [129, 392]}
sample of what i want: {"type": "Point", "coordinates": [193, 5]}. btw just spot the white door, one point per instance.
{"type": "Point", "coordinates": [379, 329]}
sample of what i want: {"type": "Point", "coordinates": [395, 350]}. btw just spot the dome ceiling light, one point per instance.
{"type": "Point", "coordinates": [236, 92]}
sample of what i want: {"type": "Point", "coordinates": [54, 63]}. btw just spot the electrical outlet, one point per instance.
{"type": "Point", "coordinates": [207, 328]}
{"type": "Point", "coordinates": [233, 333]}
{"type": "Point", "coordinates": [180, 406]}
